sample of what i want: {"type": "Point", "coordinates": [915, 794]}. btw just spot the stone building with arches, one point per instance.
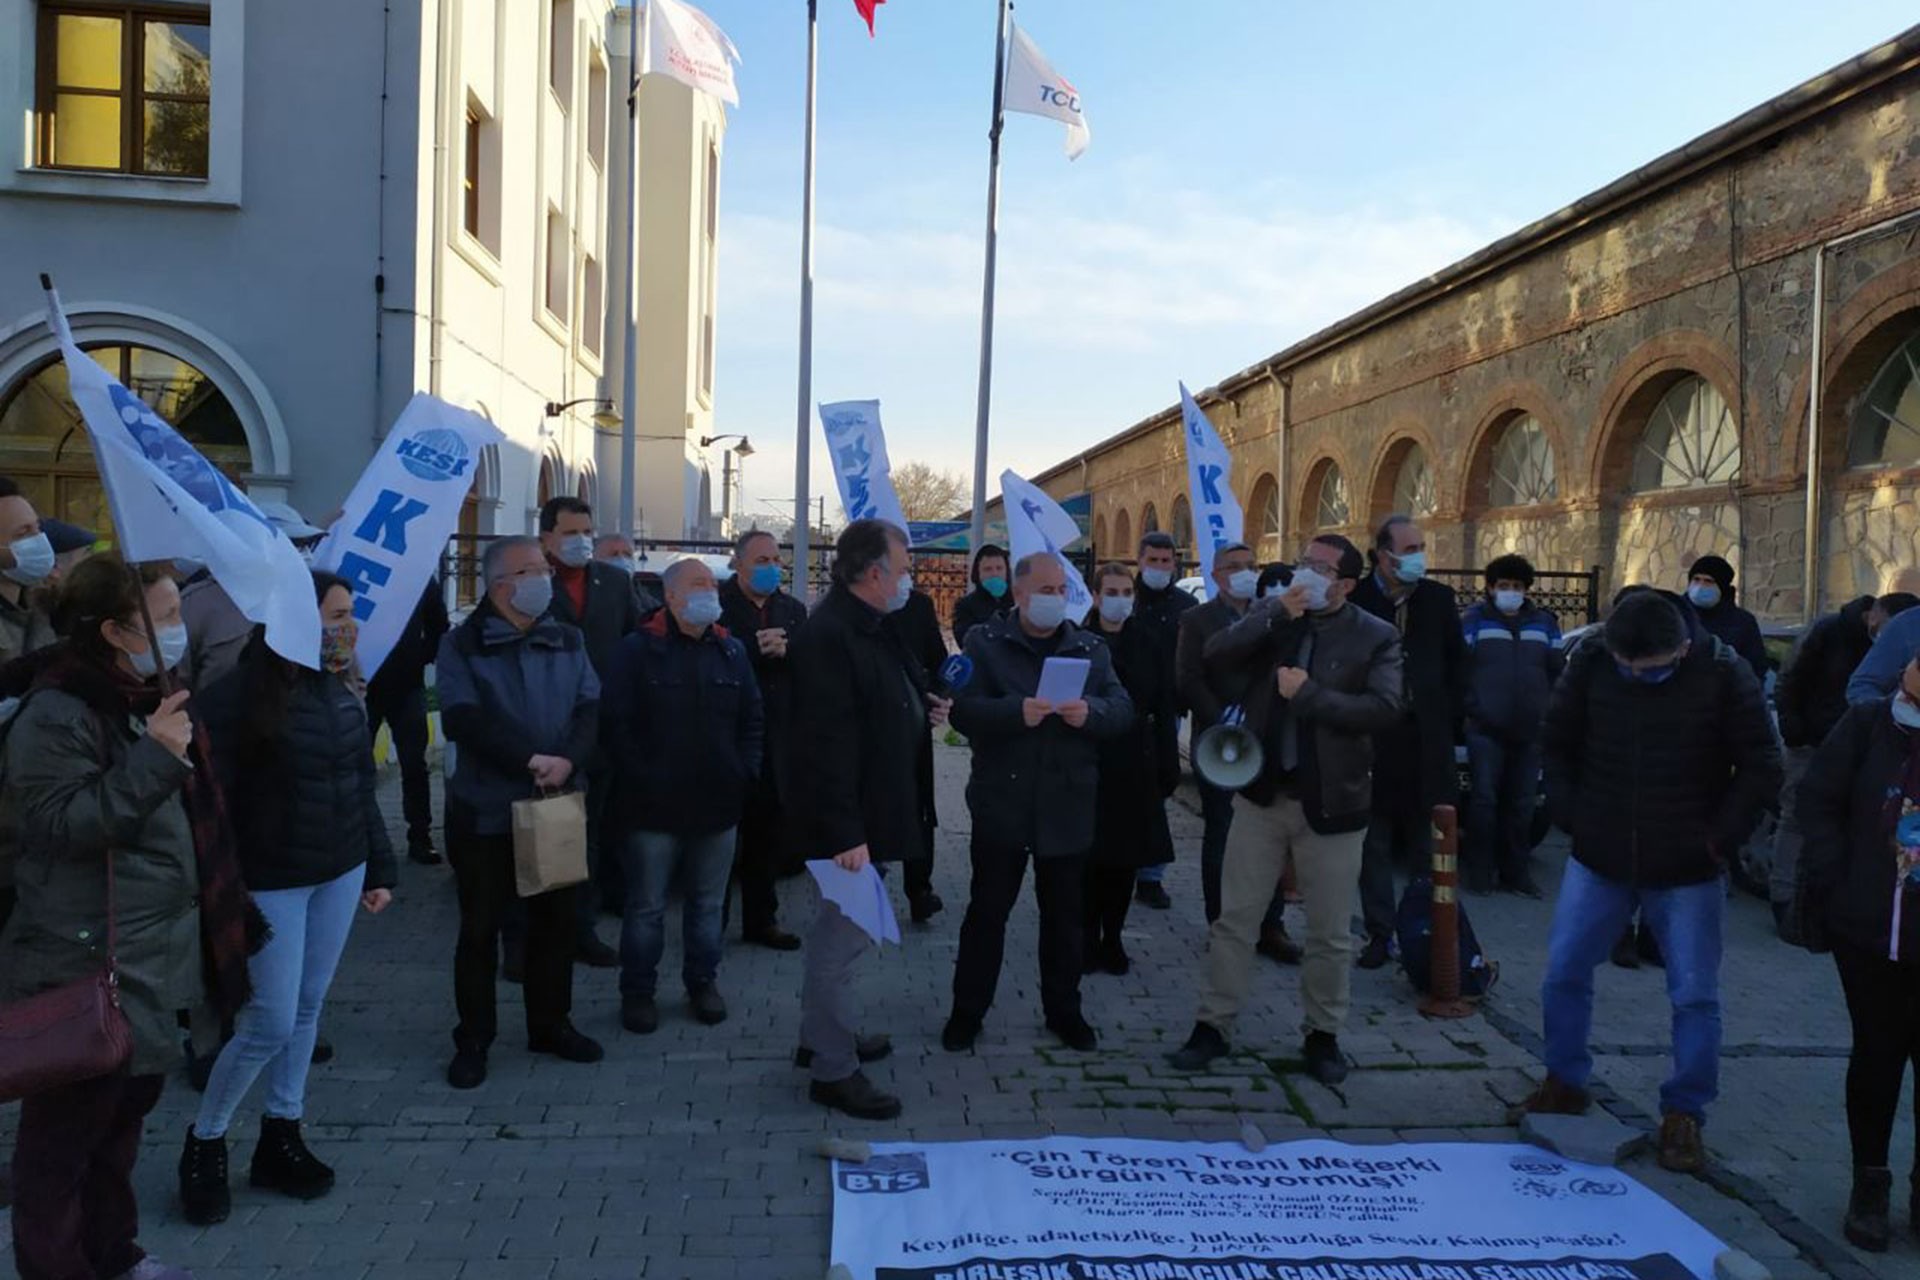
{"type": "Point", "coordinates": [1719, 352]}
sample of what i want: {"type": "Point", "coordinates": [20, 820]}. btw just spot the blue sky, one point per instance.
{"type": "Point", "coordinates": [1259, 168]}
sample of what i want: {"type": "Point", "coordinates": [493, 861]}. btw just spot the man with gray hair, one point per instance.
{"type": "Point", "coordinates": [519, 699]}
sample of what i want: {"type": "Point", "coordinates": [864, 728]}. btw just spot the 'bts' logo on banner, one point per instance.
{"type": "Point", "coordinates": [887, 1175]}
{"type": "Point", "coordinates": [435, 455]}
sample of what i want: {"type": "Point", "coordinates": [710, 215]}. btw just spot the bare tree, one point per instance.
{"type": "Point", "coordinates": [927, 494]}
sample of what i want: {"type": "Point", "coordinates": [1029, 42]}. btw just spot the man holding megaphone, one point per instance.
{"type": "Point", "coordinates": [1322, 677]}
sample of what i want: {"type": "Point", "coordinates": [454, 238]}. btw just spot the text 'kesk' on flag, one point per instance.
{"type": "Point", "coordinates": [1036, 524]}
{"type": "Point", "coordinates": [1217, 519]}
{"type": "Point", "coordinates": [170, 503]}
{"type": "Point", "coordinates": [1033, 86]}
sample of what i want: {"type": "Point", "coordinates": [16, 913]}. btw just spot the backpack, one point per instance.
{"type": "Point", "coordinates": [1413, 928]}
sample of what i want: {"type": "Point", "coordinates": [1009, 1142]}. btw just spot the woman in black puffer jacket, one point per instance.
{"type": "Point", "coordinates": [295, 759]}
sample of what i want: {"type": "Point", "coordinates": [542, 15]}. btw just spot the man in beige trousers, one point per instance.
{"type": "Point", "coordinates": [1324, 677]}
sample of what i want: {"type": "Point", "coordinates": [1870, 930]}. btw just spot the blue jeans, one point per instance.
{"type": "Point", "coordinates": [1506, 787]}
{"type": "Point", "coordinates": [650, 862]}
{"type": "Point", "coordinates": [1688, 923]}
{"type": "Point", "coordinates": [274, 1031]}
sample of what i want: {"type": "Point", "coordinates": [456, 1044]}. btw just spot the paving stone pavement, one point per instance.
{"type": "Point", "coordinates": [691, 1154]}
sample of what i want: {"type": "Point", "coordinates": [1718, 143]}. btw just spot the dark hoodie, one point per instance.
{"type": "Point", "coordinates": [1812, 694]}
{"type": "Point", "coordinates": [1728, 621]}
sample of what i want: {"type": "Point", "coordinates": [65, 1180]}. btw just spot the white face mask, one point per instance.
{"type": "Point", "coordinates": [1315, 584]}
{"type": "Point", "coordinates": [1116, 609]}
{"type": "Point", "coordinates": [1156, 579]}
{"type": "Point", "coordinates": [32, 560]}
{"type": "Point", "coordinates": [1242, 584]}
{"type": "Point", "coordinates": [702, 608]}
{"type": "Point", "coordinates": [173, 647]}
{"type": "Point", "coordinates": [575, 550]}
{"type": "Point", "coordinates": [1905, 713]}
{"type": "Point", "coordinates": [1044, 613]}
{"type": "Point", "coordinates": [1509, 601]}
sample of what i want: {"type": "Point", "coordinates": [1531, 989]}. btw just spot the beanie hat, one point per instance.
{"type": "Point", "coordinates": [1714, 567]}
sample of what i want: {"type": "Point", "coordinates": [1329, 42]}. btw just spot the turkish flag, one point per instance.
{"type": "Point", "coordinates": [866, 8]}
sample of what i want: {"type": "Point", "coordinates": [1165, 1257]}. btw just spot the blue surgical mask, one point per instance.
{"type": "Point", "coordinates": [533, 595]}
{"type": "Point", "coordinates": [1116, 609]}
{"type": "Point", "coordinates": [996, 586]}
{"type": "Point", "coordinates": [173, 647]}
{"type": "Point", "coordinates": [1648, 675]}
{"type": "Point", "coordinates": [1242, 584]}
{"type": "Point", "coordinates": [1411, 567]}
{"type": "Point", "coordinates": [1045, 613]}
{"type": "Point", "coordinates": [765, 579]}
{"type": "Point", "coordinates": [702, 608]}
{"type": "Point", "coordinates": [575, 550]}
{"type": "Point", "coordinates": [1156, 579]}
{"type": "Point", "coordinates": [32, 560]}
{"type": "Point", "coordinates": [1509, 601]}
{"type": "Point", "coordinates": [1703, 596]}
{"type": "Point", "coordinates": [1906, 713]}
{"type": "Point", "coordinates": [902, 592]}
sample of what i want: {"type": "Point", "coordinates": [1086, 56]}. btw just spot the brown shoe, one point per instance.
{"type": "Point", "coordinates": [1681, 1150]}
{"type": "Point", "coordinates": [1553, 1098]}
{"type": "Point", "coordinates": [1275, 945]}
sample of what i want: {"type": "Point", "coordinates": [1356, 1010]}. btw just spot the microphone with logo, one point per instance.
{"type": "Point", "coordinates": [953, 676]}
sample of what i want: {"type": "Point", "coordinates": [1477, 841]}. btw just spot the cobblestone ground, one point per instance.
{"type": "Point", "coordinates": [692, 1153]}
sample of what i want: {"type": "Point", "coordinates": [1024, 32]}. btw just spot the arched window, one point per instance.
{"type": "Point", "coordinates": [1149, 521]}
{"type": "Point", "coordinates": [1886, 424]}
{"type": "Point", "coordinates": [44, 444]}
{"type": "Point", "coordinates": [1100, 547]}
{"type": "Point", "coordinates": [547, 480]}
{"type": "Point", "coordinates": [1182, 525]}
{"type": "Point", "coordinates": [1331, 509]}
{"type": "Point", "coordinates": [1690, 441]}
{"type": "Point", "coordinates": [1523, 470]}
{"type": "Point", "coordinates": [1123, 535]}
{"type": "Point", "coordinates": [1263, 515]}
{"type": "Point", "coordinates": [1413, 488]}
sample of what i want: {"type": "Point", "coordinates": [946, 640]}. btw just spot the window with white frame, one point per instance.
{"type": "Point", "coordinates": [124, 89]}
{"type": "Point", "coordinates": [1886, 425]}
{"type": "Point", "coordinates": [560, 51]}
{"type": "Point", "coordinates": [1523, 468]}
{"type": "Point", "coordinates": [480, 178]}
{"type": "Point", "coordinates": [597, 113]}
{"type": "Point", "coordinates": [593, 316]}
{"type": "Point", "coordinates": [709, 268]}
{"type": "Point", "coordinates": [559, 265]}
{"type": "Point", "coordinates": [1691, 440]}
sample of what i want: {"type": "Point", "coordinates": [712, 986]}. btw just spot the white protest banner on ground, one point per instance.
{"type": "Point", "coordinates": [1035, 523]}
{"type": "Point", "coordinates": [397, 520]}
{"type": "Point", "coordinates": [170, 503]}
{"type": "Point", "coordinates": [1033, 86]}
{"type": "Point", "coordinates": [686, 45]}
{"type": "Point", "coordinates": [1130, 1209]}
{"type": "Point", "coordinates": [1216, 512]}
{"type": "Point", "coordinates": [860, 466]}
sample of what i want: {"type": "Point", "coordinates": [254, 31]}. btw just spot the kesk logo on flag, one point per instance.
{"type": "Point", "coordinates": [388, 538]}
{"type": "Point", "coordinates": [687, 45]}
{"type": "Point", "coordinates": [1216, 512]}
{"type": "Point", "coordinates": [1033, 86]}
{"type": "Point", "coordinates": [1036, 523]}
{"type": "Point", "coordinates": [170, 503]}
{"type": "Point", "coordinates": [860, 465]}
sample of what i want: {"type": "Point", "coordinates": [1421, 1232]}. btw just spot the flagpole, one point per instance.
{"type": "Point", "coordinates": [979, 531]}
{"type": "Point", "coordinates": [803, 424]}
{"type": "Point", "coordinates": [630, 364]}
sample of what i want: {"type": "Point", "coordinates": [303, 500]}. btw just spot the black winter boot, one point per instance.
{"type": "Point", "coordinates": [281, 1162]}
{"type": "Point", "coordinates": [204, 1199]}
{"type": "Point", "coordinates": [1867, 1210]}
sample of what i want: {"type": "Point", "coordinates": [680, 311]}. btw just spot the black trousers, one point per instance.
{"type": "Point", "coordinates": [1883, 999]}
{"type": "Point", "coordinates": [483, 874]}
{"type": "Point", "coordinates": [1106, 896]}
{"type": "Point", "coordinates": [406, 715]}
{"type": "Point", "coordinates": [1057, 884]}
{"type": "Point", "coordinates": [756, 863]}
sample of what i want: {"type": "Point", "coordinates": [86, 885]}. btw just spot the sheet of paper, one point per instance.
{"type": "Point", "coordinates": [860, 895]}
{"type": "Point", "coordinates": [1063, 679]}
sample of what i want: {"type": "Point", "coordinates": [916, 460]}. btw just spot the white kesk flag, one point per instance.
{"type": "Point", "coordinates": [170, 503]}
{"type": "Point", "coordinates": [686, 44]}
{"type": "Point", "coordinates": [860, 463]}
{"type": "Point", "coordinates": [390, 533]}
{"type": "Point", "coordinates": [1035, 523]}
{"type": "Point", "coordinates": [1216, 512]}
{"type": "Point", "coordinates": [1033, 86]}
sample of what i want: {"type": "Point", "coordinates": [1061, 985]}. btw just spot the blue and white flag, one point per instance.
{"type": "Point", "coordinates": [170, 503]}
{"type": "Point", "coordinates": [1217, 520]}
{"type": "Point", "coordinates": [1035, 523]}
{"type": "Point", "coordinates": [397, 520]}
{"type": "Point", "coordinates": [860, 463]}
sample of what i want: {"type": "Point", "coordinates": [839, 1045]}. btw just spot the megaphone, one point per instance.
{"type": "Point", "coordinates": [1228, 755]}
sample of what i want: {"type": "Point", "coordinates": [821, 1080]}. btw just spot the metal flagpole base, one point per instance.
{"type": "Point", "coordinates": [1435, 1007]}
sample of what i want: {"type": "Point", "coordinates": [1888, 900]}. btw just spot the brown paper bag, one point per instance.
{"type": "Point", "coordinates": [549, 842]}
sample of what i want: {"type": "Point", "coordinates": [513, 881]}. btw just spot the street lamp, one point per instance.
{"type": "Point", "coordinates": [605, 415]}
{"type": "Point", "coordinates": [743, 450]}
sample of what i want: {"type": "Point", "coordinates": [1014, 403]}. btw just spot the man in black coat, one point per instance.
{"type": "Point", "coordinates": [1659, 759]}
{"type": "Point", "coordinates": [1710, 592]}
{"type": "Point", "coordinates": [917, 626]}
{"type": "Point", "coordinates": [765, 619]}
{"type": "Point", "coordinates": [397, 697]}
{"type": "Point", "coordinates": [598, 599]}
{"type": "Point", "coordinates": [1413, 761]}
{"type": "Point", "coordinates": [1235, 581]}
{"type": "Point", "coordinates": [1033, 792]}
{"type": "Point", "coordinates": [859, 712]}
{"type": "Point", "coordinates": [617, 550]}
{"type": "Point", "coordinates": [1159, 605]}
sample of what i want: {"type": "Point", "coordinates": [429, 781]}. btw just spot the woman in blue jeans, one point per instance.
{"type": "Point", "coordinates": [294, 755]}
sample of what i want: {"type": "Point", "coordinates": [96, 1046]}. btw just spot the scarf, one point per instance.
{"type": "Point", "coordinates": [1900, 820]}
{"type": "Point", "coordinates": [231, 926]}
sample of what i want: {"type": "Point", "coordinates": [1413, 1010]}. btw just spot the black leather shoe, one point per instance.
{"type": "Point", "coordinates": [1115, 960]}
{"type": "Point", "coordinates": [774, 938]}
{"type": "Point", "coordinates": [867, 1048]}
{"type": "Point", "coordinates": [1325, 1062]}
{"type": "Point", "coordinates": [567, 1043]}
{"type": "Point", "coordinates": [281, 1162]}
{"type": "Point", "coordinates": [1201, 1049]}
{"type": "Point", "coordinates": [639, 1014]}
{"type": "Point", "coordinates": [424, 855]}
{"type": "Point", "coordinates": [595, 954]}
{"type": "Point", "coordinates": [960, 1033]}
{"type": "Point", "coordinates": [1075, 1033]}
{"type": "Point", "coordinates": [1151, 893]}
{"type": "Point", "coordinates": [707, 1005]}
{"type": "Point", "coordinates": [1649, 948]}
{"type": "Point", "coordinates": [925, 907]}
{"type": "Point", "coordinates": [322, 1052]}
{"type": "Point", "coordinates": [855, 1096]}
{"type": "Point", "coordinates": [1625, 954]}
{"type": "Point", "coordinates": [1375, 954]}
{"type": "Point", "coordinates": [204, 1198]}
{"type": "Point", "coordinates": [468, 1070]}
